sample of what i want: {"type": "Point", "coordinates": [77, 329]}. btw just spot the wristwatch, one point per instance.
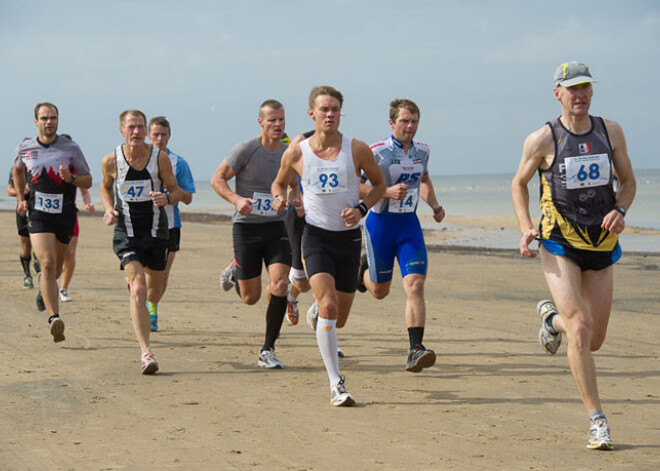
{"type": "Point", "coordinates": [621, 209]}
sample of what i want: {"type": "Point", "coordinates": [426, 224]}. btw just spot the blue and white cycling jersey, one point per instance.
{"type": "Point", "coordinates": [185, 180]}
{"type": "Point", "coordinates": [399, 167]}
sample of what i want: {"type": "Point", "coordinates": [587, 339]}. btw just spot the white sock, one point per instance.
{"type": "Point", "coordinates": [326, 337]}
{"type": "Point", "coordinates": [290, 298]}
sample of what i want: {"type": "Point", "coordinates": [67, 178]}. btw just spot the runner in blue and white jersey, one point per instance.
{"type": "Point", "coordinates": [392, 228]}
{"type": "Point", "coordinates": [55, 168]}
{"type": "Point", "coordinates": [159, 134]}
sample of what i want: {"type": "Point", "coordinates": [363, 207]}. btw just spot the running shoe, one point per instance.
{"type": "Point", "coordinates": [361, 286]}
{"type": "Point", "coordinates": [549, 341]}
{"type": "Point", "coordinates": [292, 312]}
{"type": "Point", "coordinates": [40, 302]}
{"type": "Point", "coordinates": [340, 353]}
{"type": "Point", "coordinates": [27, 282]}
{"type": "Point", "coordinates": [599, 438]}
{"type": "Point", "coordinates": [149, 363]}
{"type": "Point", "coordinates": [268, 359]}
{"type": "Point", "coordinates": [313, 316]}
{"type": "Point", "coordinates": [57, 329]}
{"type": "Point", "coordinates": [153, 326]}
{"type": "Point", "coordinates": [64, 296]}
{"type": "Point", "coordinates": [420, 358]}
{"type": "Point", "coordinates": [339, 396]}
{"type": "Point", "coordinates": [227, 276]}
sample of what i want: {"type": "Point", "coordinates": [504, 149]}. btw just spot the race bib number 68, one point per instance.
{"type": "Point", "coordinates": [587, 171]}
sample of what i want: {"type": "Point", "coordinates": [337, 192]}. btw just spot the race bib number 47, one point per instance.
{"type": "Point", "coordinates": [587, 171]}
{"type": "Point", "coordinates": [48, 203]}
{"type": "Point", "coordinates": [134, 191]}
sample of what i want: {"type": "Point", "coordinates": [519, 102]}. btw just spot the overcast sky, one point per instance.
{"type": "Point", "coordinates": [481, 71]}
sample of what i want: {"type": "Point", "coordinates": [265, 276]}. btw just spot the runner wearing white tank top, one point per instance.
{"type": "Point", "coordinates": [332, 238]}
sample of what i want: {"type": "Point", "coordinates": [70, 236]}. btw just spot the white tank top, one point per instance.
{"type": "Point", "coordinates": [329, 186]}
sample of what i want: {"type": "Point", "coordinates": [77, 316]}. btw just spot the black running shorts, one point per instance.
{"type": "Point", "coordinates": [254, 243]}
{"type": "Point", "coordinates": [333, 252]}
{"type": "Point", "coordinates": [151, 252]}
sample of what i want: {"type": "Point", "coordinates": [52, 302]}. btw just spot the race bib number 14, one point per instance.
{"type": "Point", "coordinates": [587, 171]}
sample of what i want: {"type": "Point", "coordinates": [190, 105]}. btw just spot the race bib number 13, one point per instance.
{"type": "Point", "coordinates": [264, 204]}
{"type": "Point", "coordinates": [587, 171]}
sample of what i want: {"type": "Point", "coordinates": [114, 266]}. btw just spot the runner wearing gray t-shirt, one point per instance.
{"type": "Point", "coordinates": [259, 234]}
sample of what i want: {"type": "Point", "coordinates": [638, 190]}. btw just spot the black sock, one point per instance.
{"type": "Point", "coordinates": [238, 288]}
{"type": "Point", "coordinates": [25, 263]}
{"type": "Point", "coordinates": [416, 334]}
{"type": "Point", "coordinates": [274, 317]}
{"type": "Point", "coordinates": [548, 323]}
{"type": "Point", "coordinates": [52, 318]}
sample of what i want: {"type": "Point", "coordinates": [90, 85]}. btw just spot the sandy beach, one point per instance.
{"type": "Point", "coordinates": [493, 400]}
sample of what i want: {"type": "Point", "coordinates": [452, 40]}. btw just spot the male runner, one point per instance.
{"type": "Point", "coordinates": [259, 235]}
{"type": "Point", "coordinates": [159, 134]}
{"type": "Point", "coordinates": [22, 226]}
{"type": "Point", "coordinates": [575, 155]}
{"type": "Point", "coordinates": [55, 168]}
{"type": "Point", "coordinates": [392, 228]}
{"type": "Point", "coordinates": [329, 165]}
{"type": "Point", "coordinates": [132, 191]}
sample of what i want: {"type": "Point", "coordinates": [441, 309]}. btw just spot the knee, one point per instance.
{"type": "Point", "coordinates": [328, 306]}
{"type": "Point", "coordinates": [48, 267]}
{"type": "Point", "coordinates": [279, 287]}
{"type": "Point", "coordinates": [579, 335]}
{"type": "Point", "coordinates": [138, 293]}
{"type": "Point", "coordinates": [380, 291]}
{"type": "Point", "coordinates": [250, 299]}
{"type": "Point", "coordinates": [415, 289]}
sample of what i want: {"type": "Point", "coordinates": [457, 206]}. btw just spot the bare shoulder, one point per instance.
{"type": "Point", "coordinates": [361, 148]}
{"type": "Point", "coordinates": [293, 152]}
{"type": "Point", "coordinates": [108, 162]}
{"type": "Point", "coordinates": [539, 145]}
{"type": "Point", "coordinates": [614, 130]}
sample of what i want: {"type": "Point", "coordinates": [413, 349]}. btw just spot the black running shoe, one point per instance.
{"type": "Point", "coordinates": [361, 287]}
{"type": "Point", "coordinates": [40, 302]}
{"type": "Point", "coordinates": [420, 358]}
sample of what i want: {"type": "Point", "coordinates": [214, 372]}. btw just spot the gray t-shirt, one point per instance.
{"type": "Point", "coordinates": [256, 169]}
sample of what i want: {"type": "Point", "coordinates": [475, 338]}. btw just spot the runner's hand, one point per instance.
{"type": "Point", "coordinates": [396, 192]}
{"type": "Point", "coordinates": [438, 213]}
{"type": "Point", "coordinates": [527, 237]}
{"type": "Point", "coordinates": [244, 205]}
{"type": "Point", "coordinates": [110, 217]}
{"type": "Point", "coordinates": [351, 216]}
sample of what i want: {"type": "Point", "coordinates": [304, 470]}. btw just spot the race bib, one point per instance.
{"type": "Point", "coordinates": [587, 171]}
{"type": "Point", "coordinates": [328, 179]}
{"type": "Point", "coordinates": [134, 191]}
{"type": "Point", "coordinates": [48, 203]}
{"type": "Point", "coordinates": [264, 204]}
{"type": "Point", "coordinates": [407, 204]}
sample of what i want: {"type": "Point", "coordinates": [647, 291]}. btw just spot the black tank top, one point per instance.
{"type": "Point", "coordinates": [576, 190]}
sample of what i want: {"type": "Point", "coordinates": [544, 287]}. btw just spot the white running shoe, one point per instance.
{"type": "Point", "coordinates": [313, 316]}
{"type": "Point", "coordinates": [227, 276]}
{"type": "Point", "coordinates": [599, 438]}
{"type": "Point", "coordinates": [549, 341]}
{"type": "Point", "coordinates": [149, 363]}
{"type": "Point", "coordinates": [64, 296]}
{"type": "Point", "coordinates": [339, 396]}
{"type": "Point", "coordinates": [268, 359]}
{"type": "Point", "coordinates": [292, 314]}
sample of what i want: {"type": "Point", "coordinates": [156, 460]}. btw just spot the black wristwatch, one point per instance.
{"type": "Point", "coordinates": [621, 209]}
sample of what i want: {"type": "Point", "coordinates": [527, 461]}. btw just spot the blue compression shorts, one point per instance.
{"type": "Point", "coordinates": [394, 235]}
